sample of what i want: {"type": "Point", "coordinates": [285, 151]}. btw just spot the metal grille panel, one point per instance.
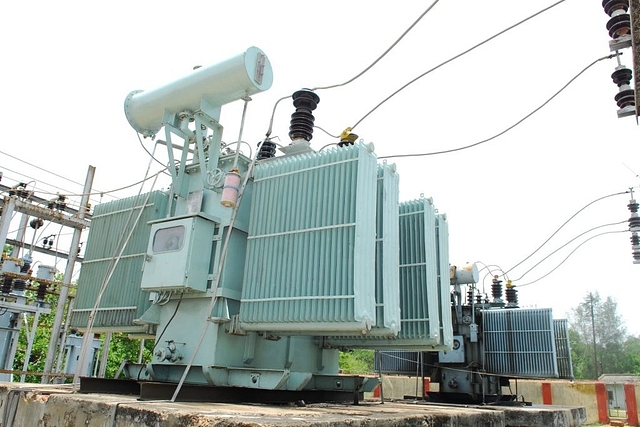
{"type": "Point", "coordinates": [123, 300]}
{"type": "Point", "coordinates": [520, 342]}
{"type": "Point", "coordinates": [411, 363]}
{"type": "Point", "coordinates": [311, 244]}
{"type": "Point", "coordinates": [421, 287]}
{"type": "Point", "coordinates": [563, 348]}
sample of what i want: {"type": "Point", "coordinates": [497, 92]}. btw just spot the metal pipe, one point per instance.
{"type": "Point", "coordinates": [68, 274]}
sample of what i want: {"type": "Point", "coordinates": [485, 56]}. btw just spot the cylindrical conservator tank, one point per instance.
{"type": "Point", "coordinates": [246, 74]}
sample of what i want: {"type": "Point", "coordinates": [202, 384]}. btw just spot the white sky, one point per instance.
{"type": "Point", "coordinates": [68, 67]}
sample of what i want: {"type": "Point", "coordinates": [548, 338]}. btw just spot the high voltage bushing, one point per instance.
{"type": "Point", "coordinates": [20, 190]}
{"type": "Point", "coordinates": [267, 150]}
{"type": "Point", "coordinates": [634, 220]}
{"type": "Point", "coordinates": [511, 294]}
{"type": "Point", "coordinates": [622, 78]}
{"type": "Point", "coordinates": [635, 248]}
{"type": "Point", "coordinates": [302, 119]}
{"type": "Point", "coordinates": [634, 227]}
{"type": "Point", "coordinates": [348, 139]}
{"type": "Point", "coordinates": [620, 23]}
{"type": "Point", "coordinates": [496, 289]}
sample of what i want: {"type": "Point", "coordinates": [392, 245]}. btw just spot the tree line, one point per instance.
{"type": "Point", "coordinates": [599, 340]}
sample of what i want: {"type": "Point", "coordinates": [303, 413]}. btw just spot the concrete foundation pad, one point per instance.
{"type": "Point", "coordinates": [32, 405]}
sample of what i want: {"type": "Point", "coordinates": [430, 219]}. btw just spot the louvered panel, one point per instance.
{"type": "Point", "coordinates": [563, 348]}
{"type": "Point", "coordinates": [444, 285]}
{"type": "Point", "coordinates": [311, 244]}
{"type": "Point", "coordinates": [520, 342]}
{"type": "Point", "coordinates": [411, 363]}
{"type": "Point", "coordinates": [387, 253]}
{"type": "Point", "coordinates": [122, 300]}
{"type": "Point", "coordinates": [420, 286]}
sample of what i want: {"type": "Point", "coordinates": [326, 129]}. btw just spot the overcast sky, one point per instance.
{"type": "Point", "coordinates": [69, 66]}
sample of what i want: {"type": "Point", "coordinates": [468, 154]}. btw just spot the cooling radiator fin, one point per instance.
{"type": "Point", "coordinates": [310, 260]}
{"type": "Point", "coordinates": [563, 348]}
{"type": "Point", "coordinates": [123, 300]}
{"type": "Point", "coordinates": [424, 284]}
{"type": "Point", "coordinates": [520, 342]}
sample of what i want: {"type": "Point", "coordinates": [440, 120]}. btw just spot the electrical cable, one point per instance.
{"type": "Point", "coordinates": [225, 145]}
{"type": "Point", "coordinates": [456, 57]}
{"type": "Point", "coordinates": [122, 244]}
{"type": "Point", "coordinates": [270, 129]}
{"type": "Point", "coordinates": [433, 153]}
{"type": "Point", "coordinates": [218, 276]}
{"type": "Point", "coordinates": [149, 153]}
{"type": "Point", "coordinates": [570, 241]}
{"type": "Point", "coordinates": [383, 54]}
{"type": "Point", "coordinates": [157, 340]}
{"type": "Point", "coordinates": [325, 131]}
{"type": "Point", "coordinates": [40, 168]}
{"type": "Point", "coordinates": [565, 223]}
{"type": "Point", "coordinates": [246, 100]}
{"type": "Point", "coordinates": [571, 253]}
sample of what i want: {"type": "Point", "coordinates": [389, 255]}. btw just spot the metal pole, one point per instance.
{"type": "Point", "coordinates": [68, 274]}
{"type": "Point", "coordinates": [105, 355]}
{"type": "Point", "coordinates": [593, 332]}
{"type": "Point", "coordinates": [31, 338]}
{"type": "Point", "coordinates": [5, 220]}
{"type": "Point", "coordinates": [24, 220]}
{"type": "Point", "coordinates": [61, 343]}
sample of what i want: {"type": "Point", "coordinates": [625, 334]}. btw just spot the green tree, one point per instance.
{"type": "Point", "coordinates": [357, 362]}
{"type": "Point", "coordinates": [632, 351]}
{"type": "Point", "coordinates": [121, 348]}
{"type": "Point", "coordinates": [597, 331]}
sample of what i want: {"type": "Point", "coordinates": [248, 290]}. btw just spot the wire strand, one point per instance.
{"type": "Point", "coordinates": [565, 223]}
{"type": "Point", "coordinates": [454, 58]}
{"type": "Point", "coordinates": [383, 54]}
{"type": "Point", "coordinates": [567, 243]}
{"type": "Point", "coordinates": [571, 253]}
{"type": "Point", "coordinates": [433, 153]}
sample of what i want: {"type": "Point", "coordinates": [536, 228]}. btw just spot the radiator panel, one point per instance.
{"type": "Point", "coordinates": [421, 287]}
{"type": "Point", "coordinates": [520, 342]}
{"type": "Point", "coordinates": [310, 264]}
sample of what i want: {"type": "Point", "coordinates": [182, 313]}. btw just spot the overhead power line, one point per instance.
{"type": "Point", "coordinates": [433, 153]}
{"type": "Point", "coordinates": [273, 113]}
{"type": "Point", "coordinates": [456, 57]}
{"type": "Point", "coordinates": [567, 243]}
{"type": "Point", "coordinates": [565, 223]}
{"type": "Point", "coordinates": [571, 253]}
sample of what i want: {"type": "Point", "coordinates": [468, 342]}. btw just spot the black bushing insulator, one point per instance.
{"type": "Point", "coordinates": [619, 25]}
{"type": "Point", "coordinates": [470, 296]}
{"type": "Point", "coordinates": [496, 289]}
{"type": "Point", "coordinates": [611, 6]}
{"type": "Point", "coordinates": [6, 285]}
{"type": "Point", "coordinates": [635, 239]}
{"type": "Point", "coordinates": [20, 192]}
{"type": "Point", "coordinates": [36, 223]}
{"type": "Point", "coordinates": [622, 76]}
{"type": "Point", "coordinates": [634, 223]}
{"type": "Point", "coordinates": [267, 150]}
{"type": "Point", "coordinates": [479, 299]}
{"type": "Point", "coordinates": [42, 292]}
{"type": "Point", "coordinates": [350, 139]}
{"type": "Point", "coordinates": [25, 268]}
{"type": "Point", "coordinates": [512, 295]}
{"type": "Point", "coordinates": [19, 285]}
{"type": "Point", "coordinates": [633, 206]}
{"type": "Point", "coordinates": [302, 119]}
{"type": "Point", "coordinates": [61, 205]}
{"type": "Point", "coordinates": [625, 98]}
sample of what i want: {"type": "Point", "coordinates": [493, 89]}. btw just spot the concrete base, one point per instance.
{"type": "Point", "coordinates": [33, 405]}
